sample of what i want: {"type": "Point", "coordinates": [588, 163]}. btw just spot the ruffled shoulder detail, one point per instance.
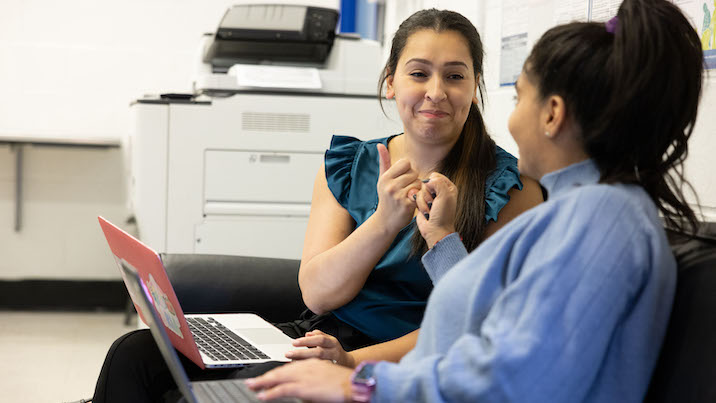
{"type": "Point", "coordinates": [339, 160]}
{"type": "Point", "coordinates": [499, 182]}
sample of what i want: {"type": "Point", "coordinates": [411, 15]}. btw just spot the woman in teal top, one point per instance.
{"type": "Point", "coordinates": [392, 301]}
{"type": "Point", "coordinates": [360, 262]}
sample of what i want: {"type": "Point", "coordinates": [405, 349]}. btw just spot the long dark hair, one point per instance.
{"type": "Point", "coordinates": [472, 158]}
{"type": "Point", "coordinates": [634, 93]}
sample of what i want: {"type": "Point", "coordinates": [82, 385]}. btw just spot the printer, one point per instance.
{"type": "Point", "coordinates": [252, 42]}
{"type": "Point", "coordinates": [229, 169]}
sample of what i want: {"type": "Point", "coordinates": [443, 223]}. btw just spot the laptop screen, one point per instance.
{"type": "Point", "coordinates": [142, 299]}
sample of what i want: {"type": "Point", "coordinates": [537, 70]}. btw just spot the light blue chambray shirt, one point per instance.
{"type": "Point", "coordinates": [567, 303]}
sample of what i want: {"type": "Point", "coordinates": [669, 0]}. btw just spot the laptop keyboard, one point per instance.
{"type": "Point", "coordinates": [221, 344]}
{"type": "Point", "coordinates": [224, 391]}
{"type": "Point", "coordinates": [229, 391]}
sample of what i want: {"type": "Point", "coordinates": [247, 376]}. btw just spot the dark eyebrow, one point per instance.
{"type": "Point", "coordinates": [429, 63]}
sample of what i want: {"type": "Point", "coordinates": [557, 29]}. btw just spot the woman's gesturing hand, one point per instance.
{"type": "Point", "coordinates": [323, 346]}
{"type": "Point", "coordinates": [395, 208]}
{"type": "Point", "coordinates": [437, 204]}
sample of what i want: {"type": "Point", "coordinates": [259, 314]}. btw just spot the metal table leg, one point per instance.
{"type": "Point", "coordinates": [18, 148]}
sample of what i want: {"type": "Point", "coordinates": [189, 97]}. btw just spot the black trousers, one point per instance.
{"type": "Point", "coordinates": [134, 369]}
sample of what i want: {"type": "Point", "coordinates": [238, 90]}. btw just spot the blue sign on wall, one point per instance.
{"type": "Point", "coordinates": [710, 59]}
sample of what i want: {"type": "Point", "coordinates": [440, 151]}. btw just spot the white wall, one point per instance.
{"type": "Point", "coordinates": [70, 68]}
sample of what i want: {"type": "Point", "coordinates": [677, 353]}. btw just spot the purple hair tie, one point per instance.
{"type": "Point", "coordinates": [611, 25]}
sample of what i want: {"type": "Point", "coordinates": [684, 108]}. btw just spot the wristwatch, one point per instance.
{"type": "Point", "coordinates": [363, 382]}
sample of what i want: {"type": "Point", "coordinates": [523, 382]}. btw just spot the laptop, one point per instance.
{"type": "Point", "coordinates": [232, 390]}
{"type": "Point", "coordinates": [211, 340]}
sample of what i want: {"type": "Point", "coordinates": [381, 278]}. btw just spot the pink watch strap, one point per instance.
{"type": "Point", "coordinates": [361, 388]}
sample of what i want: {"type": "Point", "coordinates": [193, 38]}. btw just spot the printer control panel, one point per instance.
{"type": "Point", "coordinates": [320, 24]}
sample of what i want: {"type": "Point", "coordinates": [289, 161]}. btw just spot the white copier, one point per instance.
{"type": "Point", "coordinates": [230, 168]}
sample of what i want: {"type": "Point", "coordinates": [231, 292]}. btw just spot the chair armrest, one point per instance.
{"type": "Point", "coordinates": [219, 283]}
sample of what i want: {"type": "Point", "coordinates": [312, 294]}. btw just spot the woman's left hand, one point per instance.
{"type": "Point", "coordinates": [314, 380]}
{"type": "Point", "coordinates": [323, 346]}
{"type": "Point", "coordinates": [437, 204]}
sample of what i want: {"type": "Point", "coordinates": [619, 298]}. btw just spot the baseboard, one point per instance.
{"type": "Point", "coordinates": [63, 295]}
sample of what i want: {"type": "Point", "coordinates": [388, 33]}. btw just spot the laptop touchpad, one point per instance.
{"type": "Point", "coordinates": [265, 336]}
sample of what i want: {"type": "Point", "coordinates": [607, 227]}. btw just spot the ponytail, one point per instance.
{"type": "Point", "coordinates": [633, 88]}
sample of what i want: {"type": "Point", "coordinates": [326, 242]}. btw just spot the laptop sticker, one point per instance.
{"type": "Point", "coordinates": [164, 307]}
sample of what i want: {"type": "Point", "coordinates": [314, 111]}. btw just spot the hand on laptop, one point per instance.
{"type": "Point", "coordinates": [313, 380]}
{"type": "Point", "coordinates": [323, 346]}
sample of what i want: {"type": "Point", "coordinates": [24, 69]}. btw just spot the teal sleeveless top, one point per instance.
{"type": "Point", "coordinates": [393, 299]}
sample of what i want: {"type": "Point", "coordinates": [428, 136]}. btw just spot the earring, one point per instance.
{"type": "Point", "coordinates": [547, 134]}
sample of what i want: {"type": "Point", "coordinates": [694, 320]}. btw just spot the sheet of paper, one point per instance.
{"type": "Point", "coordinates": [604, 10]}
{"type": "Point", "coordinates": [514, 50]}
{"type": "Point", "coordinates": [257, 76]}
{"type": "Point", "coordinates": [566, 11]}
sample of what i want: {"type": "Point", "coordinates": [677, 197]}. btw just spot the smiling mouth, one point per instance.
{"type": "Point", "coordinates": [433, 114]}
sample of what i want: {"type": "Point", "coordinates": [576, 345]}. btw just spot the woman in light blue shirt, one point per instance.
{"type": "Point", "coordinates": [569, 301]}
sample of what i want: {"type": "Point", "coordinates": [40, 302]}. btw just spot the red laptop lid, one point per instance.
{"type": "Point", "coordinates": [151, 271]}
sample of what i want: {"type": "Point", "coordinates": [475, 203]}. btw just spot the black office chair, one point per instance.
{"type": "Point", "coordinates": [686, 370]}
{"type": "Point", "coordinates": [226, 284]}
{"type": "Point", "coordinates": [219, 283]}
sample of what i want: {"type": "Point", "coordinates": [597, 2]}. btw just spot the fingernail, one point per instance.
{"type": "Point", "coordinates": [249, 381]}
{"type": "Point", "coordinates": [427, 216]}
{"type": "Point", "coordinates": [426, 180]}
{"type": "Point", "coordinates": [289, 354]}
{"type": "Point", "coordinates": [430, 204]}
{"type": "Point", "coordinates": [415, 196]}
{"type": "Point", "coordinates": [261, 395]}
